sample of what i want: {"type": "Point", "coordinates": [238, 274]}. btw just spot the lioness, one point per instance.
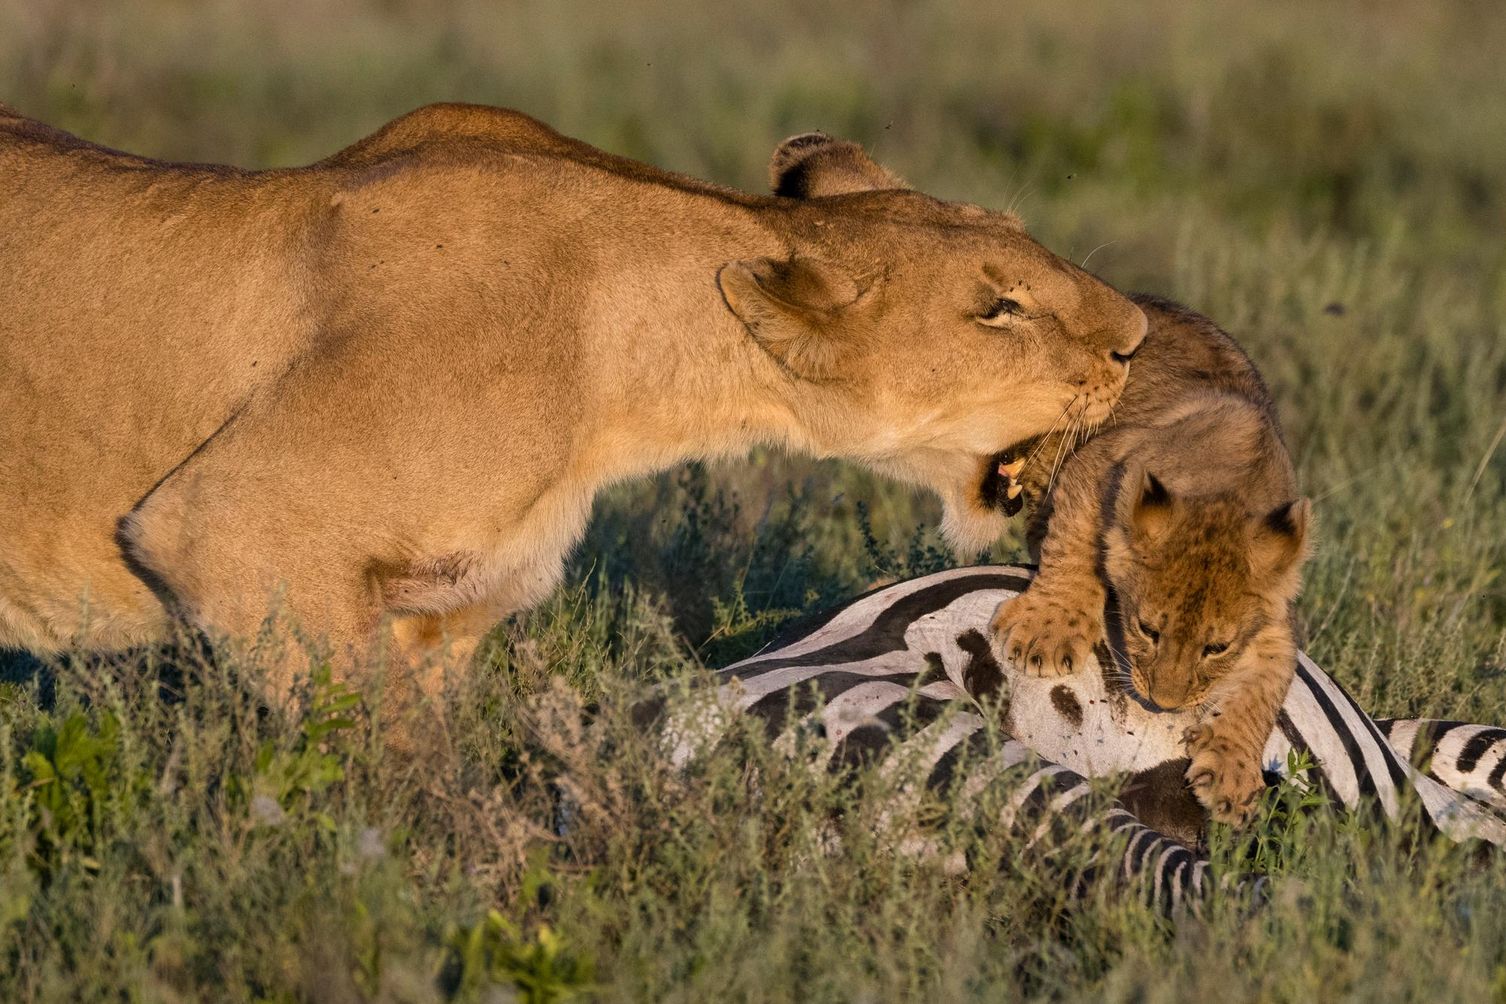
{"type": "Point", "coordinates": [1186, 506]}
{"type": "Point", "coordinates": [386, 387]}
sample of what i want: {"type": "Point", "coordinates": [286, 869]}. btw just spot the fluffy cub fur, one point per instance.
{"type": "Point", "coordinates": [1183, 516]}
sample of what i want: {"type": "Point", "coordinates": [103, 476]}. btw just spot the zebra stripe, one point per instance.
{"type": "Point", "coordinates": [1383, 756]}
{"type": "Point", "coordinates": [1467, 758]}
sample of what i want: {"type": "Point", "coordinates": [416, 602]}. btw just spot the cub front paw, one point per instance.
{"type": "Point", "coordinates": [1044, 636]}
{"type": "Point", "coordinates": [1226, 780]}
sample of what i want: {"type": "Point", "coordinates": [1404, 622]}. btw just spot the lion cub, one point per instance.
{"type": "Point", "coordinates": [1186, 504]}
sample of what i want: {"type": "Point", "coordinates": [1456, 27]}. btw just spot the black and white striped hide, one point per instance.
{"type": "Point", "coordinates": [893, 673]}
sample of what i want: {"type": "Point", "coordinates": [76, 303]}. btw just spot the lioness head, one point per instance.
{"type": "Point", "coordinates": [1196, 579]}
{"type": "Point", "coordinates": [926, 338]}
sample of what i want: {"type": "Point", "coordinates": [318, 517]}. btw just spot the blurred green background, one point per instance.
{"type": "Point", "coordinates": [1326, 180]}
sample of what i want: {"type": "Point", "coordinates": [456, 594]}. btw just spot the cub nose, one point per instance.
{"type": "Point", "coordinates": [1169, 695]}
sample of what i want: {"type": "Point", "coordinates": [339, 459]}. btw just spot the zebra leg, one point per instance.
{"type": "Point", "coordinates": [1047, 803]}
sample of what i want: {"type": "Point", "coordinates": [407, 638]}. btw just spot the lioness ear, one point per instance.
{"type": "Point", "coordinates": [1279, 539]}
{"type": "Point", "coordinates": [1152, 506]}
{"type": "Point", "coordinates": [813, 165]}
{"type": "Point", "coordinates": [792, 308]}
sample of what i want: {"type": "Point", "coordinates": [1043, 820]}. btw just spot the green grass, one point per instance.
{"type": "Point", "coordinates": [1326, 180]}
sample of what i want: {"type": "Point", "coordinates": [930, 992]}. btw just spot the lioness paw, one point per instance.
{"type": "Point", "coordinates": [1227, 781]}
{"type": "Point", "coordinates": [1043, 636]}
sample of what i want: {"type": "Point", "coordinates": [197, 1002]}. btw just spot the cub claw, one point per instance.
{"type": "Point", "coordinates": [1043, 635]}
{"type": "Point", "coordinates": [1225, 780]}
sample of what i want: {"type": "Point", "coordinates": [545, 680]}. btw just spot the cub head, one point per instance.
{"type": "Point", "coordinates": [1196, 580]}
{"type": "Point", "coordinates": [925, 338]}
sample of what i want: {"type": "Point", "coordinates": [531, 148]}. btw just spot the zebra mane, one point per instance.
{"type": "Point", "coordinates": [909, 668]}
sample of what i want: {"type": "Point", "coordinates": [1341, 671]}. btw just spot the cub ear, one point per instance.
{"type": "Point", "coordinates": [1150, 507]}
{"type": "Point", "coordinates": [793, 307]}
{"type": "Point", "coordinates": [813, 165]}
{"type": "Point", "coordinates": [1279, 540]}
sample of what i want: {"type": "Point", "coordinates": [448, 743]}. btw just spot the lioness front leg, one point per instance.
{"type": "Point", "coordinates": [1051, 628]}
{"type": "Point", "coordinates": [275, 602]}
{"type": "Point", "coordinates": [439, 647]}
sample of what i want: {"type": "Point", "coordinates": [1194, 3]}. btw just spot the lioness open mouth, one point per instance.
{"type": "Point", "coordinates": [1000, 488]}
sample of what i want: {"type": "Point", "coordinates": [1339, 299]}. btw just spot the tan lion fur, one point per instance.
{"type": "Point", "coordinates": [385, 388]}
{"type": "Point", "coordinates": [1186, 506]}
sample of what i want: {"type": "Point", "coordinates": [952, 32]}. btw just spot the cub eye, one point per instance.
{"type": "Point", "coordinates": [1001, 308]}
{"type": "Point", "coordinates": [1150, 632]}
{"type": "Point", "coordinates": [1215, 648]}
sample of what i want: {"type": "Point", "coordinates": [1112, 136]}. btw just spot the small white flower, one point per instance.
{"type": "Point", "coordinates": [266, 812]}
{"type": "Point", "coordinates": [370, 846]}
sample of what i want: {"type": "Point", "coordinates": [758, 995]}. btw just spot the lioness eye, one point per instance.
{"type": "Point", "coordinates": [1214, 648]}
{"type": "Point", "coordinates": [1150, 632]}
{"type": "Point", "coordinates": [1002, 307]}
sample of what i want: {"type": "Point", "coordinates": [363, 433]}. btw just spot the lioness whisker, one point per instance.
{"type": "Point", "coordinates": [1061, 449]}
{"type": "Point", "coordinates": [1040, 443]}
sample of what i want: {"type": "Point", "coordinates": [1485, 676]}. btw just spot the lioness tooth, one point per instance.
{"type": "Point", "coordinates": [1013, 468]}
{"type": "Point", "coordinates": [1014, 490]}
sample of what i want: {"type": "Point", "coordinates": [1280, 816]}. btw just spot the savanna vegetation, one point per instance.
{"type": "Point", "coordinates": [1326, 180]}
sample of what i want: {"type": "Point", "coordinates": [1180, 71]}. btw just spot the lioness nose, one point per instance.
{"type": "Point", "coordinates": [1128, 336]}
